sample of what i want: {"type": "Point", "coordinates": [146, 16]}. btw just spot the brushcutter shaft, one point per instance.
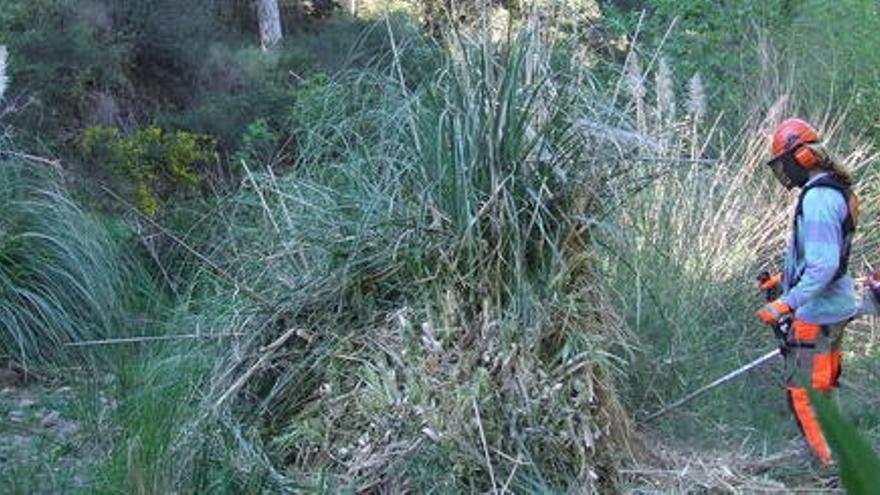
{"type": "Point", "coordinates": [724, 379]}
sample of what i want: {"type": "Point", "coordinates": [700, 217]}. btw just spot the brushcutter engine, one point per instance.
{"type": "Point", "coordinates": [782, 331]}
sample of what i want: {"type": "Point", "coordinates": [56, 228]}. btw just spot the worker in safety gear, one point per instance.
{"type": "Point", "coordinates": [817, 290]}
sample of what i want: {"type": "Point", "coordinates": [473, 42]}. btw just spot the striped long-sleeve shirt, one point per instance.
{"type": "Point", "coordinates": [817, 297]}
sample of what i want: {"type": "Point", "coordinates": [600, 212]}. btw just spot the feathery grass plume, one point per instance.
{"type": "Point", "coordinates": [697, 112]}
{"type": "Point", "coordinates": [774, 80]}
{"type": "Point", "coordinates": [774, 115]}
{"type": "Point", "coordinates": [635, 85]}
{"type": "Point", "coordinates": [4, 79]}
{"type": "Point", "coordinates": [635, 82]}
{"type": "Point", "coordinates": [665, 93]}
{"type": "Point", "coordinates": [696, 99]}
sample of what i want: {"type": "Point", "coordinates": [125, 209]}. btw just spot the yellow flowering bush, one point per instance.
{"type": "Point", "coordinates": [156, 163]}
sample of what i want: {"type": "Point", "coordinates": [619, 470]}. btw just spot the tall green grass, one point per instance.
{"type": "Point", "coordinates": [149, 414]}
{"type": "Point", "coordinates": [66, 278]}
{"type": "Point", "coordinates": [62, 278]}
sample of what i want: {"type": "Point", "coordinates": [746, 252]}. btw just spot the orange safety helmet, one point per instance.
{"type": "Point", "coordinates": [791, 160]}
{"type": "Point", "coordinates": [790, 137]}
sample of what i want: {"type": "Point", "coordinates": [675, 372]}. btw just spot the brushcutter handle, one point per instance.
{"type": "Point", "coordinates": [770, 286]}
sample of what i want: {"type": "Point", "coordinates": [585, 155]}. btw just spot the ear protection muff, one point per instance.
{"type": "Point", "coordinates": [805, 156]}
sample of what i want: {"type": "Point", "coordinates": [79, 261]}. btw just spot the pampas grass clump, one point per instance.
{"type": "Point", "coordinates": [439, 326]}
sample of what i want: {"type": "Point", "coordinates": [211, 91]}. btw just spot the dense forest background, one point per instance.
{"type": "Point", "coordinates": [411, 246]}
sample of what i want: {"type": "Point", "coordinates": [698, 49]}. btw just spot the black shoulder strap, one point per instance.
{"type": "Point", "coordinates": [848, 224]}
{"type": "Point", "coordinates": [830, 182]}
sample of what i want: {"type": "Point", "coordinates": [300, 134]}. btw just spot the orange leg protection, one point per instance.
{"type": "Point", "coordinates": [806, 418]}
{"type": "Point", "coordinates": [826, 370]}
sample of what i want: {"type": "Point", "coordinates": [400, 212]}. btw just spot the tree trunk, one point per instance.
{"type": "Point", "coordinates": [270, 23]}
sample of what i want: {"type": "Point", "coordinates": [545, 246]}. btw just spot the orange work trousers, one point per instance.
{"type": "Point", "coordinates": [813, 360]}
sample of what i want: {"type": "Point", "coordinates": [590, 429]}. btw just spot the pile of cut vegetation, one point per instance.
{"type": "Point", "coordinates": [418, 293]}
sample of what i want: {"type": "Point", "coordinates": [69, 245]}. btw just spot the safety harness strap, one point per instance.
{"type": "Point", "coordinates": [848, 225]}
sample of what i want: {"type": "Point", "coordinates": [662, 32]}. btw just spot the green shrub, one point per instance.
{"type": "Point", "coordinates": [345, 44]}
{"type": "Point", "coordinates": [57, 60]}
{"type": "Point", "coordinates": [225, 117]}
{"type": "Point", "coordinates": [155, 163]}
{"type": "Point", "coordinates": [829, 49]}
{"type": "Point", "coordinates": [167, 43]}
{"type": "Point", "coordinates": [115, 63]}
{"type": "Point", "coordinates": [258, 144]}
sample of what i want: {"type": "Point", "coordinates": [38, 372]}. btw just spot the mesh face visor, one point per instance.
{"type": "Point", "coordinates": [778, 169]}
{"type": "Point", "coordinates": [787, 171]}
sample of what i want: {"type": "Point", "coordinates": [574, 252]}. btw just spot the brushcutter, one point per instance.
{"type": "Point", "coordinates": [870, 306]}
{"type": "Point", "coordinates": [781, 330]}
{"type": "Point", "coordinates": [720, 381]}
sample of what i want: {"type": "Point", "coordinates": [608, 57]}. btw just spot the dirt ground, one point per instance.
{"type": "Point", "coordinates": [676, 470]}
{"type": "Point", "coordinates": [42, 448]}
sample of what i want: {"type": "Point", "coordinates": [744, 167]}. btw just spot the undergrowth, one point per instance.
{"type": "Point", "coordinates": [447, 267]}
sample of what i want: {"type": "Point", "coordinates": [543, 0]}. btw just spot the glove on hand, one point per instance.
{"type": "Point", "coordinates": [773, 312]}
{"type": "Point", "coordinates": [770, 285]}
